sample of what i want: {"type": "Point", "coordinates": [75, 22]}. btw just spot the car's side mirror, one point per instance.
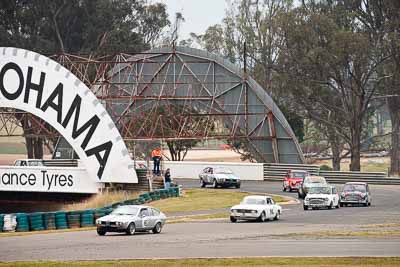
{"type": "Point", "coordinates": [143, 215]}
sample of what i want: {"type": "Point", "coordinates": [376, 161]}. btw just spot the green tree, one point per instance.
{"type": "Point", "coordinates": [96, 26]}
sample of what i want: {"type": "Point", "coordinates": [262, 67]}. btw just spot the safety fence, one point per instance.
{"type": "Point", "coordinates": [38, 221]}
{"type": "Point", "coordinates": [276, 172]}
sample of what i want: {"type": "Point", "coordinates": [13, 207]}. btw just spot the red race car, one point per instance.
{"type": "Point", "coordinates": [293, 179]}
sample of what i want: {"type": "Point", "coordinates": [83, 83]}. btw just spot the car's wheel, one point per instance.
{"type": "Point", "coordinates": [263, 217]}
{"type": "Point", "coordinates": [290, 189]}
{"type": "Point", "coordinates": [330, 206]}
{"type": "Point", "coordinates": [233, 219]}
{"type": "Point", "coordinates": [284, 189]}
{"type": "Point", "coordinates": [341, 204]}
{"type": "Point", "coordinates": [157, 228]}
{"type": "Point", "coordinates": [277, 216]}
{"type": "Point", "coordinates": [237, 186]}
{"type": "Point", "coordinates": [101, 232]}
{"type": "Point", "coordinates": [305, 207]}
{"type": "Point", "coordinates": [131, 229]}
{"type": "Point", "coordinates": [215, 184]}
{"type": "Point", "coordinates": [369, 203]}
{"type": "Point", "coordinates": [202, 183]}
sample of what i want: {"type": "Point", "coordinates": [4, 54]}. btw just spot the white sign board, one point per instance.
{"type": "Point", "coordinates": [39, 85]}
{"type": "Point", "coordinates": [47, 179]}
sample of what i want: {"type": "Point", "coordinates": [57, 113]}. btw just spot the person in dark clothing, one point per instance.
{"type": "Point", "coordinates": [167, 179]}
{"type": "Point", "coordinates": [156, 155]}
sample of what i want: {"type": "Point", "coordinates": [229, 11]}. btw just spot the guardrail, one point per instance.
{"type": "Point", "coordinates": [276, 172]}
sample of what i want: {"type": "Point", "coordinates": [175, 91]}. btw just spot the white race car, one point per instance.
{"type": "Point", "coordinates": [261, 208]}
{"type": "Point", "coordinates": [324, 196]}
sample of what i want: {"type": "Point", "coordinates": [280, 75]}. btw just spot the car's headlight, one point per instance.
{"type": "Point", "coordinates": [98, 222]}
{"type": "Point", "coordinates": [254, 211]}
{"type": "Point", "coordinates": [233, 210]}
{"type": "Point", "coordinates": [119, 223]}
{"type": "Point", "coordinates": [326, 199]}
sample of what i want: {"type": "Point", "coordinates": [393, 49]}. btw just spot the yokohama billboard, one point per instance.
{"type": "Point", "coordinates": [36, 84]}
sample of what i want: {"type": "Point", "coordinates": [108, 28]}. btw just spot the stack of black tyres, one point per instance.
{"type": "Point", "coordinates": [61, 220]}
{"type": "Point", "coordinates": [163, 193]}
{"type": "Point", "coordinates": [1, 222]}
{"type": "Point", "coordinates": [87, 218]}
{"type": "Point", "coordinates": [146, 197]}
{"type": "Point", "coordinates": [128, 202]}
{"type": "Point", "coordinates": [98, 213]}
{"type": "Point", "coordinates": [36, 221]}
{"type": "Point", "coordinates": [22, 222]}
{"type": "Point", "coordinates": [49, 221]}
{"type": "Point", "coordinates": [74, 219]}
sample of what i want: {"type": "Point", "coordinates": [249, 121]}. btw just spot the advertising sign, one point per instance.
{"type": "Point", "coordinates": [46, 179]}
{"type": "Point", "coordinates": [39, 85]}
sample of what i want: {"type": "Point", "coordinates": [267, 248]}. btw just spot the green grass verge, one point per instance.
{"type": "Point", "coordinates": [270, 262]}
{"type": "Point", "coordinates": [205, 199]}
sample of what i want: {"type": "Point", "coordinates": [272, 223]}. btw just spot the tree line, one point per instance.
{"type": "Point", "coordinates": [327, 61]}
{"type": "Point", "coordinates": [324, 62]}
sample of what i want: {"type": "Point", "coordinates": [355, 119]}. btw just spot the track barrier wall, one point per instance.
{"type": "Point", "coordinates": [39, 221]}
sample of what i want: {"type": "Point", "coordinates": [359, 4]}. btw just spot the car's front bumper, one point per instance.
{"type": "Point", "coordinates": [245, 216]}
{"type": "Point", "coordinates": [354, 201]}
{"type": "Point", "coordinates": [228, 182]}
{"type": "Point", "coordinates": [118, 229]}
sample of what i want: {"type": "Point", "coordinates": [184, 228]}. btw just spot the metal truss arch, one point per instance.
{"type": "Point", "coordinates": [212, 85]}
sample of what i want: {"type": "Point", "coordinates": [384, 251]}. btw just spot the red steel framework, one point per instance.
{"type": "Point", "coordinates": [142, 91]}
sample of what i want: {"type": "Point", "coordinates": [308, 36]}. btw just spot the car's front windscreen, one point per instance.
{"type": "Point", "coordinates": [125, 211]}
{"type": "Point", "coordinates": [253, 201]}
{"type": "Point", "coordinates": [319, 190]}
{"type": "Point", "coordinates": [314, 180]}
{"type": "Point", "coordinates": [354, 187]}
{"type": "Point", "coordinates": [223, 171]}
{"type": "Point", "coordinates": [298, 175]}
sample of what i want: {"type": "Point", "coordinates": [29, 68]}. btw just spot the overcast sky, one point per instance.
{"type": "Point", "coordinates": [198, 14]}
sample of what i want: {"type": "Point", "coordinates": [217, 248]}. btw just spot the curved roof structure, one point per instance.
{"type": "Point", "coordinates": [151, 90]}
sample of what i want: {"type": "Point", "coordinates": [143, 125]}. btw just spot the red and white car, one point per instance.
{"type": "Point", "coordinates": [294, 179]}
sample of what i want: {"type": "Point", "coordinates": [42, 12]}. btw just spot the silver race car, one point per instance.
{"type": "Point", "coordinates": [130, 219]}
{"type": "Point", "coordinates": [218, 177]}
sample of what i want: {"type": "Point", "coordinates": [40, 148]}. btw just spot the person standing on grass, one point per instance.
{"type": "Point", "coordinates": [156, 155]}
{"type": "Point", "coordinates": [167, 179]}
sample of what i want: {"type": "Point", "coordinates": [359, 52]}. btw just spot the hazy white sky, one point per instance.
{"type": "Point", "coordinates": [198, 14]}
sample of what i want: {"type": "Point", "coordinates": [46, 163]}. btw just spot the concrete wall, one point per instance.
{"type": "Point", "coordinates": [191, 169]}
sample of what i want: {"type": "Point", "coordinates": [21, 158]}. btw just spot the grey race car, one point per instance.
{"type": "Point", "coordinates": [130, 219]}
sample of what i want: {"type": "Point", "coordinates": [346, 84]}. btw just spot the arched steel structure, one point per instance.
{"type": "Point", "coordinates": [201, 94]}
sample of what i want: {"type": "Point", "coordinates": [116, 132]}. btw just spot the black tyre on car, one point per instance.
{"type": "Point", "coordinates": [131, 229]}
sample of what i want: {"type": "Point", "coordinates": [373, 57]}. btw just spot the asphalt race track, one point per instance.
{"type": "Point", "coordinates": [220, 238]}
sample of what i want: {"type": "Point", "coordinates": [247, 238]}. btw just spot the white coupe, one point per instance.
{"type": "Point", "coordinates": [261, 208]}
{"type": "Point", "coordinates": [322, 197]}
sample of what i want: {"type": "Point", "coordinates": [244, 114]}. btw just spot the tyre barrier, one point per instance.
{"type": "Point", "coordinates": [36, 221]}
{"type": "Point", "coordinates": [146, 197]}
{"type": "Point", "coordinates": [49, 220]}
{"type": "Point", "coordinates": [87, 218]}
{"type": "Point", "coordinates": [1, 222]}
{"type": "Point", "coordinates": [22, 222]}
{"type": "Point", "coordinates": [61, 220]}
{"type": "Point", "coordinates": [39, 221]}
{"type": "Point", "coordinates": [74, 219]}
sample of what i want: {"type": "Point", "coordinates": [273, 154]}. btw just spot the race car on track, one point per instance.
{"type": "Point", "coordinates": [321, 197]}
{"type": "Point", "coordinates": [310, 181]}
{"type": "Point", "coordinates": [355, 193]}
{"type": "Point", "coordinates": [130, 219]}
{"type": "Point", "coordinates": [261, 208]}
{"type": "Point", "coordinates": [294, 179]}
{"type": "Point", "coordinates": [218, 177]}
